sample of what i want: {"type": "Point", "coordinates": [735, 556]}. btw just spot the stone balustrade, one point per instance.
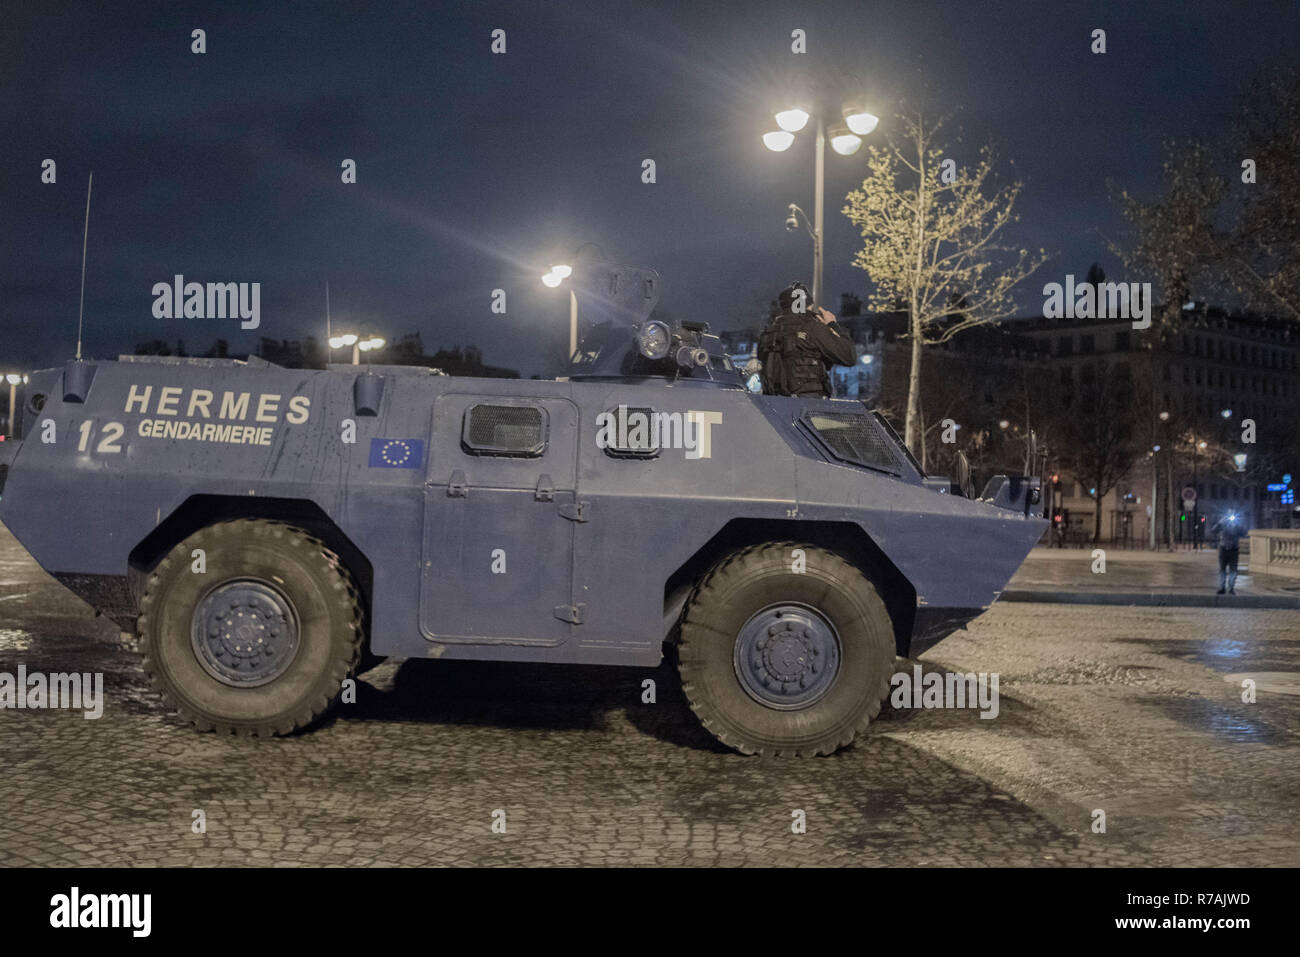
{"type": "Point", "coordinates": [1275, 551]}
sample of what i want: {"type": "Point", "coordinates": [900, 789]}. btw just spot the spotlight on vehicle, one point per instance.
{"type": "Point", "coordinates": [653, 339]}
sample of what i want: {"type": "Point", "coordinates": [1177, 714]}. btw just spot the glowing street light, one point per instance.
{"type": "Point", "coordinates": [792, 120]}
{"type": "Point", "coordinates": [358, 344]}
{"type": "Point", "coordinates": [778, 141]}
{"type": "Point", "coordinates": [858, 119]}
{"type": "Point", "coordinates": [843, 141]}
{"type": "Point", "coordinates": [846, 139]}
{"type": "Point", "coordinates": [557, 275]}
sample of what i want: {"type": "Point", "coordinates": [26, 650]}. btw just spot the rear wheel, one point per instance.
{"type": "Point", "coordinates": [782, 654]}
{"type": "Point", "coordinates": [255, 636]}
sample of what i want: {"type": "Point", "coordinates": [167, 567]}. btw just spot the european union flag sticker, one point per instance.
{"type": "Point", "coordinates": [396, 453]}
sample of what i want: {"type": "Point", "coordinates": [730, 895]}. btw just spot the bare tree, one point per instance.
{"type": "Point", "coordinates": [931, 230]}
{"type": "Point", "coordinates": [1175, 243]}
{"type": "Point", "coordinates": [1208, 233]}
{"type": "Point", "coordinates": [1097, 431]}
{"type": "Point", "coordinates": [1262, 251]}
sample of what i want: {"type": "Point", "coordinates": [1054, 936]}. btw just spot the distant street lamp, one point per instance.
{"type": "Point", "coordinates": [1155, 490]}
{"type": "Point", "coordinates": [552, 279]}
{"type": "Point", "coordinates": [846, 139]}
{"type": "Point", "coordinates": [1197, 447]}
{"type": "Point", "coordinates": [14, 379]}
{"type": "Point", "coordinates": [358, 344]}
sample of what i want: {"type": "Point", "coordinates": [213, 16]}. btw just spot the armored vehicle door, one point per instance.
{"type": "Point", "coordinates": [499, 520]}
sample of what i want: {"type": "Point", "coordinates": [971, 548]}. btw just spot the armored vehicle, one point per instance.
{"type": "Point", "coordinates": [267, 530]}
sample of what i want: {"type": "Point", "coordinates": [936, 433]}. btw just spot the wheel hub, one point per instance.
{"type": "Point", "coordinates": [245, 633]}
{"type": "Point", "coordinates": [787, 656]}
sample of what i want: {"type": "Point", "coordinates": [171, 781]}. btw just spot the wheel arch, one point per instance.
{"type": "Point", "coordinates": [199, 511]}
{"type": "Point", "coordinates": [845, 538]}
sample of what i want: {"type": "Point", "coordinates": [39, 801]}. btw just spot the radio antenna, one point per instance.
{"type": "Point", "coordinates": [327, 313]}
{"type": "Point", "coordinates": [85, 233]}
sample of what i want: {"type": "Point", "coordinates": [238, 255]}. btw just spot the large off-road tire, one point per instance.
{"type": "Point", "coordinates": [778, 661]}
{"type": "Point", "coordinates": [258, 642]}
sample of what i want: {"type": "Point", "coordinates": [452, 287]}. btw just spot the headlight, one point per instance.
{"type": "Point", "coordinates": [653, 339]}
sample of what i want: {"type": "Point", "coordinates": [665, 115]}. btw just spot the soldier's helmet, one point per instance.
{"type": "Point", "coordinates": [788, 294]}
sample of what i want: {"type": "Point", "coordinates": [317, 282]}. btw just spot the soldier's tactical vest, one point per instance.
{"type": "Point", "coordinates": [792, 363]}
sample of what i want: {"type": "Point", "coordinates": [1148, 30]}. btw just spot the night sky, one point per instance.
{"type": "Point", "coordinates": [476, 171]}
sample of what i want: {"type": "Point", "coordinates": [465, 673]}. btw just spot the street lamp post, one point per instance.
{"type": "Point", "coordinates": [1155, 480]}
{"type": "Point", "coordinates": [14, 380]}
{"type": "Point", "coordinates": [557, 275]}
{"type": "Point", "coordinates": [846, 139]}
{"type": "Point", "coordinates": [819, 210]}
{"type": "Point", "coordinates": [1196, 502]}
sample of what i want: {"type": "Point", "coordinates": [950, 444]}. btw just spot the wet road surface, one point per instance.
{"type": "Point", "coordinates": [1134, 712]}
{"type": "Point", "coordinates": [1128, 571]}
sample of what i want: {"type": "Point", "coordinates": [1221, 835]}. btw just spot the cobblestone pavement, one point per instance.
{"type": "Point", "coordinates": [1131, 711]}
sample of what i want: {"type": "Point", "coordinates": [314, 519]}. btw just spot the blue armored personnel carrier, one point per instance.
{"type": "Point", "coordinates": [266, 530]}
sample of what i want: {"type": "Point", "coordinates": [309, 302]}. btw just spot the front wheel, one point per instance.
{"type": "Point", "coordinates": [786, 654]}
{"type": "Point", "coordinates": [250, 627]}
